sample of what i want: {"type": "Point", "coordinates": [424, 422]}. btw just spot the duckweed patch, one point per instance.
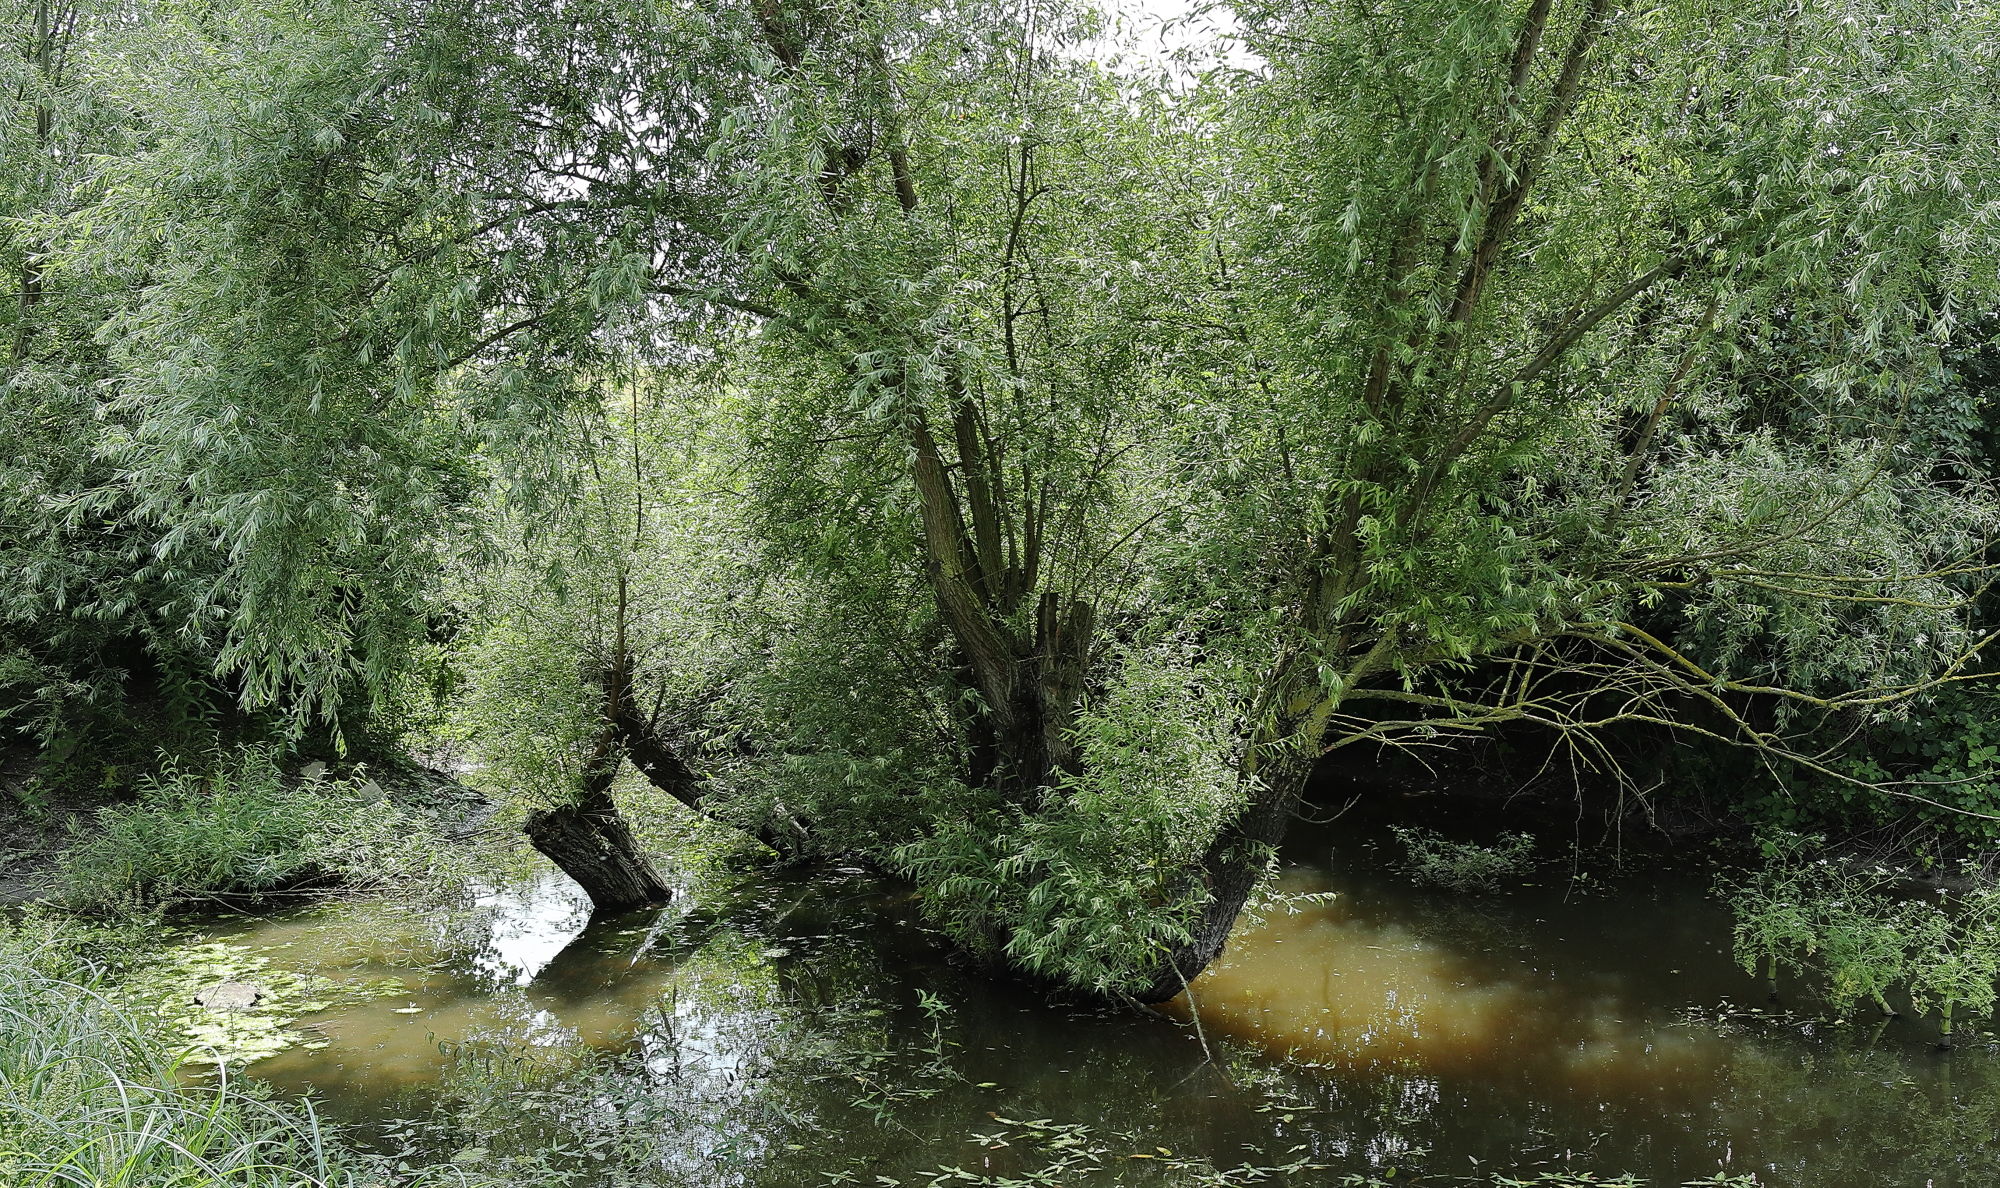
{"type": "Point", "coordinates": [165, 985]}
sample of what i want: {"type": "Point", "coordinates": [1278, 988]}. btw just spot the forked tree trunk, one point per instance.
{"type": "Point", "coordinates": [1026, 745]}
{"type": "Point", "coordinates": [591, 843]}
{"type": "Point", "coordinates": [662, 765]}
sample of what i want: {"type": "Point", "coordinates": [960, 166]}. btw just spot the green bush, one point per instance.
{"type": "Point", "coordinates": [241, 828]}
{"type": "Point", "coordinates": [1849, 926]}
{"type": "Point", "coordinates": [1464, 866]}
{"type": "Point", "coordinates": [1956, 959]}
{"type": "Point", "coordinates": [1931, 762]}
{"type": "Point", "coordinates": [1777, 914]}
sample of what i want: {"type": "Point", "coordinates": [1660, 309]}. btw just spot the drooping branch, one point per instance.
{"type": "Point", "coordinates": [1625, 676]}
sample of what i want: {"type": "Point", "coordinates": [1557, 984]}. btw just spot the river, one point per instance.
{"type": "Point", "coordinates": [796, 1029]}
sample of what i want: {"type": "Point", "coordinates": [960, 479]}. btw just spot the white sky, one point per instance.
{"type": "Point", "coordinates": [1155, 32]}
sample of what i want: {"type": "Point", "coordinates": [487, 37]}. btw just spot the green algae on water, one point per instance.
{"type": "Point", "coordinates": [165, 985]}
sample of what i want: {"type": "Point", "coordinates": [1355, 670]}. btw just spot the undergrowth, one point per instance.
{"type": "Point", "coordinates": [1857, 934]}
{"type": "Point", "coordinates": [239, 828]}
{"type": "Point", "coordinates": [1436, 861]}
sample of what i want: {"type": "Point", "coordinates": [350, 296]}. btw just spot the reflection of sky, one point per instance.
{"type": "Point", "coordinates": [526, 926]}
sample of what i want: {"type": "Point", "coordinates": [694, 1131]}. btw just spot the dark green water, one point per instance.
{"type": "Point", "coordinates": [801, 1031]}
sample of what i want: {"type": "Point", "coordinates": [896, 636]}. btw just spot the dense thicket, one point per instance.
{"type": "Point", "coordinates": [898, 431]}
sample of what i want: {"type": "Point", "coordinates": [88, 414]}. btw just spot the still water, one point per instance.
{"type": "Point", "coordinates": [804, 1030]}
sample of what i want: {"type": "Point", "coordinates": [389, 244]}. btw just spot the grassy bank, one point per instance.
{"type": "Point", "coordinates": [239, 827]}
{"type": "Point", "coordinates": [91, 1096]}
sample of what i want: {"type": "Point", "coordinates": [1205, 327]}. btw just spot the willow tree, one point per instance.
{"type": "Point", "coordinates": [1120, 448]}
{"type": "Point", "coordinates": [1531, 274]}
{"type": "Point", "coordinates": [82, 636]}
{"type": "Point", "coordinates": [1168, 443]}
{"type": "Point", "coordinates": [1452, 363]}
{"type": "Point", "coordinates": [358, 274]}
{"type": "Point", "coordinates": [37, 176]}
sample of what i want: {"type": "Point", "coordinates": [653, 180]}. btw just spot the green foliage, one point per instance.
{"type": "Point", "coordinates": [1435, 860]}
{"type": "Point", "coordinates": [644, 566]}
{"type": "Point", "coordinates": [1569, 1181]}
{"type": "Point", "coordinates": [1548, 491]}
{"type": "Point", "coordinates": [1934, 761]}
{"type": "Point", "coordinates": [1956, 958]}
{"type": "Point", "coordinates": [1389, 369]}
{"type": "Point", "coordinates": [1849, 927]}
{"type": "Point", "coordinates": [1094, 882]}
{"type": "Point", "coordinates": [1865, 948]}
{"type": "Point", "coordinates": [1573, 1179]}
{"type": "Point", "coordinates": [276, 411]}
{"type": "Point", "coordinates": [95, 668]}
{"type": "Point", "coordinates": [1776, 922]}
{"type": "Point", "coordinates": [526, 710]}
{"type": "Point", "coordinates": [973, 454]}
{"type": "Point", "coordinates": [238, 827]}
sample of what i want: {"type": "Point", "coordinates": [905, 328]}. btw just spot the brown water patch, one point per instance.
{"type": "Point", "coordinates": [514, 962]}
{"type": "Point", "coordinates": [1318, 982]}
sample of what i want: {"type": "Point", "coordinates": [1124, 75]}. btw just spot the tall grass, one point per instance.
{"type": "Point", "coordinates": [92, 1097]}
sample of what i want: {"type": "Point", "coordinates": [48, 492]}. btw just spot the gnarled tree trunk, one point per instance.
{"type": "Point", "coordinates": [591, 843]}
{"type": "Point", "coordinates": [662, 765]}
{"type": "Point", "coordinates": [1230, 871]}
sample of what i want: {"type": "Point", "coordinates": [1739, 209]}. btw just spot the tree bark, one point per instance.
{"type": "Point", "coordinates": [1230, 870]}
{"type": "Point", "coordinates": [661, 764]}
{"type": "Point", "coordinates": [32, 268]}
{"type": "Point", "coordinates": [591, 843]}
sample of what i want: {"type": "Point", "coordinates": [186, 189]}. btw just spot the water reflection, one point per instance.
{"type": "Point", "coordinates": [525, 927]}
{"type": "Point", "coordinates": [797, 1029]}
{"type": "Point", "coordinates": [1320, 982]}
{"type": "Point", "coordinates": [1314, 982]}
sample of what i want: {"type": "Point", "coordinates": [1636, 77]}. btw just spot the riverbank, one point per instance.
{"type": "Point", "coordinates": [93, 1093]}
{"type": "Point", "coordinates": [242, 828]}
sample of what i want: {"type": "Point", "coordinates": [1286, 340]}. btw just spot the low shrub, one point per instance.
{"type": "Point", "coordinates": [239, 828]}
{"type": "Point", "coordinates": [1436, 861]}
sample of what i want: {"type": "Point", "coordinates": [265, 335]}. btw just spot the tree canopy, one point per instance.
{"type": "Point", "coordinates": [907, 431]}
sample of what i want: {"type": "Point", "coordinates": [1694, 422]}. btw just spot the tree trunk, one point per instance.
{"type": "Point", "coordinates": [32, 268]}
{"type": "Point", "coordinates": [590, 841]}
{"type": "Point", "coordinates": [1231, 868]}
{"type": "Point", "coordinates": [662, 765]}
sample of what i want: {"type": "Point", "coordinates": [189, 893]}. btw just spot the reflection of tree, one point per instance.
{"type": "Point", "coordinates": [685, 1101]}
{"type": "Point", "coordinates": [1470, 924]}
{"type": "Point", "coordinates": [770, 1046]}
{"type": "Point", "coordinates": [1835, 1114]}
{"type": "Point", "coordinates": [770, 1058]}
